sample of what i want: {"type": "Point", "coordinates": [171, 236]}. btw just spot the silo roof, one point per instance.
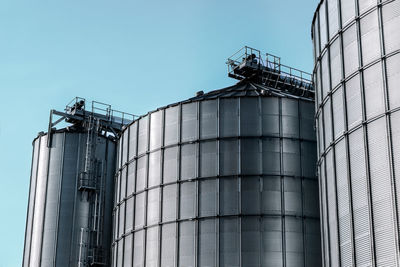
{"type": "Point", "coordinates": [243, 89]}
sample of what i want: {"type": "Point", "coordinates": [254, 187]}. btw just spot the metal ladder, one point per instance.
{"type": "Point", "coordinates": [87, 180]}
{"type": "Point", "coordinates": [97, 251]}
{"type": "Point", "coordinates": [92, 181]}
{"type": "Point", "coordinates": [84, 242]}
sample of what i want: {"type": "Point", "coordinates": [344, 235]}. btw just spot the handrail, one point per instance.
{"type": "Point", "coordinates": [248, 55]}
{"type": "Point", "coordinates": [101, 108]}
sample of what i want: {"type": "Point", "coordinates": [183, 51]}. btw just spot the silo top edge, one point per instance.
{"type": "Point", "coordinates": [241, 89]}
{"type": "Point", "coordinates": [63, 130]}
{"type": "Point", "coordinates": [315, 17]}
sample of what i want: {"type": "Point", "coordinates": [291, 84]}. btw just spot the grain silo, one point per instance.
{"type": "Point", "coordinates": [357, 79]}
{"type": "Point", "coordinates": [227, 178]}
{"type": "Point", "coordinates": [69, 219]}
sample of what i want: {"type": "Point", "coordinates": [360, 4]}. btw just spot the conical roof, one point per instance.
{"type": "Point", "coordinates": [243, 89]}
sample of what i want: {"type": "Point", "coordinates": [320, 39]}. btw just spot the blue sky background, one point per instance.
{"type": "Point", "coordinates": [136, 55]}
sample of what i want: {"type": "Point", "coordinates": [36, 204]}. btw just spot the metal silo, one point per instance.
{"type": "Point", "coordinates": [227, 178]}
{"type": "Point", "coordinates": [69, 219]}
{"type": "Point", "coordinates": [357, 78]}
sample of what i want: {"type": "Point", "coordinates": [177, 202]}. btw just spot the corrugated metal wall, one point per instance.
{"type": "Point", "coordinates": [223, 182]}
{"type": "Point", "coordinates": [57, 210]}
{"type": "Point", "coordinates": [357, 78]}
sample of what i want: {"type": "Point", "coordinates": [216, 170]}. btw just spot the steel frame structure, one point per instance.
{"type": "Point", "coordinates": [249, 64]}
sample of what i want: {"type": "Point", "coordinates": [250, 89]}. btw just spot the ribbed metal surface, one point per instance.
{"type": "Point", "coordinates": [357, 79]}
{"type": "Point", "coordinates": [57, 210]}
{"type": "Point", "coordinates": [219, 181]}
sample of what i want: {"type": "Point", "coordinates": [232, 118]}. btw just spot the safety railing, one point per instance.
{"type": "Point", "coordinates": [244, 55]}
{"type": "Point", "coordinates": [103, 109]}
{"type": "Point", "coordinates": [250, 58]}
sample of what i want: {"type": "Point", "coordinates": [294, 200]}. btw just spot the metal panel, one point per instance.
{"type": "Point", "coordinates": [361, 206]}
{"type": "Point", "coordinates": [128, 251]}
{"type": "Point", "coordinates": [393, 79]}
{"type": "Point", "coordinates": [189, 122]}
{"type": "Point", "coordinates": [207, 243]}
{"type": "Point", "coordinates": [270, 116]}
{"type": "Point", "coordinates": [325, 76]}
{"type": "Point", "coordinates": [250, 241]}
{"type": "Point", "coordinates": [187, 200]}
{"type": "Point", "coordinates": [353, 102]}
{"type": "Point", "coordinates": [350, 49]}
{"type": "Point", "coordinates": [369, 26]}
{"type": "Point", "coordinates": [391, 22]}
{"type": "Point", "coordinates": [229, 157]}
{"type": "Point", "coordinates": [143, 135]}
{"type": "Point", "coordinates": [154, 168]}
{"type": "Point", "coordinates": [250, 195]}
{"type": "Point", "coordinates": [294, 242]}
{"type": "Point", "coordinates": [186, 244]}
{"type": "Point", "coordinates": [290, 118]}
{"type": "Point", "coordinates": [333, 17]}
{"type": "Point", "coordinates": [337, 113]}
{"type": "Point", "coordinates": [40, 202]}
{"type": "Point", "coordinates": [208, 159]}
{"type": "Point", "coordinates": [138, 249]}
{"type": "Point", "coordinates": [156, 130]}
{"type": "Point", "coordinates": [170, 160]}
{"type": "Point", "coordinates": [171, 125]}
{"type": "Point", "coordinates": [271, 156]}
{"type": "Point", "coordinates": [52, 202]}
{"type": "Point", "coordinates": [208, 119]}
{"type": "Point", "coordinates": [31, 203]}
{"type": "Point", "coordinates": [168, 246]}
{"type": "Point", "coordinates": [271, 243]}
{"type": "Point", "coordinates": [348, 11]}
{"type": "Point", "coordinates": [169, 203]}
{"type": "Point", "coordinates": [229, 242]}
{"type": "Point", "coordinates": [331, 213]}
{"type": "Point", "coordinates": [336, 62]}
{"type": "Point", "coordinates": [188, 161]}
{"type": "Point", "coordinates": [250, 117]}
{"type": "Point", "coordinates": [208, 198]}
{"type": "Point", "coordinates": [373, 90]}
{"type": "Point", "coordinates": [229, 114]}
{"type": "Point", "coordinates": [381, 192]}
{"type": "Point", "coordinates": [152, 246]}
{"type": "Point", "coordinates": [153, 203]}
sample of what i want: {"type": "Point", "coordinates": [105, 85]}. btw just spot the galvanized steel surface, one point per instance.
{"type": "Point", "coordinates": [57, 210]}
{"type": "Point", "coordinates": [357, 80]}
{"type": "Point", "coordinates": [224, 181]}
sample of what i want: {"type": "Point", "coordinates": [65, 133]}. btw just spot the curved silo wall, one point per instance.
{"type": "Point", "coordinates": [221, 182]}
{"type": "Point", "coordinates": [57, 210]}
{"type": "Point", "coordinates": [357, 78]}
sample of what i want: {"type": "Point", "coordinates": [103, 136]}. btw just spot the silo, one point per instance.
{"type": "Point", "coordinates": [357, 78]}
{"type": "Point", "coordinates": [227, 178]}
{"type": "Point", "coordinates": [69, 218]}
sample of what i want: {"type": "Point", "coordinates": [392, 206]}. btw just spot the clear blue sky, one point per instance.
{"type": "Point", "coordinates": [135, 55]}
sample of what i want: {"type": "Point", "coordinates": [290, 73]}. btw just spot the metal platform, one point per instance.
{"type": "Point", "coordinates": [249, 64]}
{"type": "Point", "coordinates": [108, 121]}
